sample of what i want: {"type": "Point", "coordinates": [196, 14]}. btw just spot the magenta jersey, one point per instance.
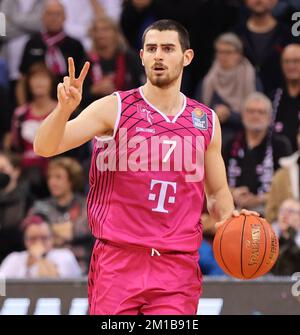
{"type": "Point", "coordinates": [147, 180]}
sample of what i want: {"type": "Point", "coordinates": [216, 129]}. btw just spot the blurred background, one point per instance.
{"type": "Point", "coordinates": [246, 68]}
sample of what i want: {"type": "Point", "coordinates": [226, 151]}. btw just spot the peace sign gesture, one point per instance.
{"type": "Point", "coordinates": [69, 92]}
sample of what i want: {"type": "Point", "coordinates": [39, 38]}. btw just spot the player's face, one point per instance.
{"type": "Point", "coordinates": [163, 57]}
{"type": "Point", "coordinates": [291, 63]}
{"type": "Point", "coordinates": [256, 116]}
{"type": "Point", "coordinates": [260, 7]}
{"type": "Point", "coordinates": [58, 182]}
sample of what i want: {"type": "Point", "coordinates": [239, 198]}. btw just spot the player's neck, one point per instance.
{"type": "Point", "coordinates": [168, 100]}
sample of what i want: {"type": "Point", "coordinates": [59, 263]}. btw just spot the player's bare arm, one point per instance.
{"type": "Point", "coordinates": [97, 119]}
{"type": "Point", "coordinates": [219, 199]}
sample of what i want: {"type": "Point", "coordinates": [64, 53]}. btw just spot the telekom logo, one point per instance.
{"type": "Point", "coordinates": [162, 195]}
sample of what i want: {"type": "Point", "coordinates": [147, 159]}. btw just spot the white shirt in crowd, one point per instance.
{"type": "Point", "coordinates": [79, 16]}
{"type": "Point", "coordinates": [15, 265]}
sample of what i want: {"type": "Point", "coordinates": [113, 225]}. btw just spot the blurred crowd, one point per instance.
{"type": "Point", "coordinates": [246, 68]}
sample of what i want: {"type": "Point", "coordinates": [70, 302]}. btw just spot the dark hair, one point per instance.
{"type": "Point", "coordinates": [162, 25]}
{"type": "Point", "coordinates": [34, 69]}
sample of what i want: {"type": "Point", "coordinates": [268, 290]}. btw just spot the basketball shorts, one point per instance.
{"type": "Point", "coordinates": [134, 280]}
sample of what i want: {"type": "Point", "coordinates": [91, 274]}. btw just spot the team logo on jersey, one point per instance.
{"type": "Point", "coordinates": [145, 113]}
{"type": "Point", "coordinates": [200, 119]}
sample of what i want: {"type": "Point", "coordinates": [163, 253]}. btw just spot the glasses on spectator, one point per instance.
{"type": "Point", "coordinates": [43, 238]}
{"type": "Point", "coordinates": [226, 52]}
{"type": "Point", "coordinates": [295, 61]}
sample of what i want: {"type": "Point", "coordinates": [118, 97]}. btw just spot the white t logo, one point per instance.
{"type": "Point", "coordinates": [162, 195]}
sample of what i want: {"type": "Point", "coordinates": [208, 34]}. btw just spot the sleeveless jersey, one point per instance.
{"type": "Point", "coordinates": [147, 180]}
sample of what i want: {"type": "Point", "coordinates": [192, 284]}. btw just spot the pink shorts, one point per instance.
{"type": "Point", "coordinates": [135, 280]}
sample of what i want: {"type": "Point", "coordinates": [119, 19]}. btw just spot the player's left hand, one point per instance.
{"type": "Point", "coordinates": [236, 213]}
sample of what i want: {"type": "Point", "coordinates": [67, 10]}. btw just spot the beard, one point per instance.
{"type": "Point", "coordinates": [166, 79]}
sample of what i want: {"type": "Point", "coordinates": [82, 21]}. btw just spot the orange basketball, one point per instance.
{"type": "Point", "coordinates": [246, 247]}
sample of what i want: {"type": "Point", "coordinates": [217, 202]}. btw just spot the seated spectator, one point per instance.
{"type": "Point", "coordinates": [264, 39]}
{"type": "Point", "coordinates": [252, 156]}
{"type": "Point", "coordinates": [136, 16]}
{"type": "Point", "coordinates": [23, 18]}
{"type": "Point", "coordinates": [288, 230]}
{"type": "Point", "coordinates": [40, 259]}
{"type": "Point", "coordinates": [13, 204]}
{"type": "Point", "coordinates": [285, 183]}
{"type": "Point", "coordinates": [53, 46]}
{"type": "Point", "coordinates": [229, 81]}
{"type": "Point", "coordinates": [66, 208]}
{"type": "Point", "coordinates": [77, 26]}
{"type": "Point", "coordinates": [113, 65]}
{"type": "Point", "coordinates": [286, 99]}
{"type": "Point", "coordinates": [39, 89]}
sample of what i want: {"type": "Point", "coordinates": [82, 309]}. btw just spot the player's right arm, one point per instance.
{"type": "Point", "coordinates": [57, 135]}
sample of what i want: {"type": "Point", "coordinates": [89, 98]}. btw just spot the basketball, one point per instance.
{"type": "Point", "coordinates": [246, 247]}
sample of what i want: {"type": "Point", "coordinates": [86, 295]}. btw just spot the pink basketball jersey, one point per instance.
{"type": "Point", "coordinates": [147, 180]}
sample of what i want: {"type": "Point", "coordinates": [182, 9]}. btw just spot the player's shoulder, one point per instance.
{"type": "Point", "coordinates": [195, 104]}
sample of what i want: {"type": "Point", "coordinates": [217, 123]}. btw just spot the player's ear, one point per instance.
{"type": "Point", "coordinates": [188, 57]}
{"type": "Point", "coordinates": [141, 56]}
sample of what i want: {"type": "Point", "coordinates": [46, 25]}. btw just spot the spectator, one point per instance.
{"type": "Point", "coordinates": [136, 16]}
{"type": "Point", "coordinates": [286, 99]}
{"type": "Point", "coordinates": [229, 81]}
{"type": "Point", "coordinates": [285, 183]}
{"type": "Point", "coordinates": [252, 156]}
{"type": "Point", "coordinates": [13, 203]}
{"type": "Point", "coordinates": [66, 208]}
{"type": "Point", "coordinates": [113, 65]}
{"type": "Point", "coordinates": [23, 18]}
{"type": "Point", "coordinates": [39, 90]}
{"type": "Point", "coordinates": [264, 38]}
{"type": "Point", "coordinates": [40, 259]}
{"type": "Point", "coordinates": [288, 231]}
{"type": "Point", "coordinates": [52, 45]}
{"type": "Point", "coordinates": [77, 26]}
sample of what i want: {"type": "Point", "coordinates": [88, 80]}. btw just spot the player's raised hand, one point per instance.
{"type": "Point", "coordinates": [69, 93]}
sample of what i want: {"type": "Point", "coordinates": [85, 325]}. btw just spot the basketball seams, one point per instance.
{"type": "Point", "coordinates": [220, 251]}
{"type": "Point", "coordinates": [242, 243]}
{"type": "Point", "coordinates": [266, 241]}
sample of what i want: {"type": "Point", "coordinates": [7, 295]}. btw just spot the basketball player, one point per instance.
{"type": "Point", "coordinates": [146, 220]}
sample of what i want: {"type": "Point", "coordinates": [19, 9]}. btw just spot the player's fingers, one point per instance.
{"type": "Point", "coordinates": [235, 213]}
{"type": "Point", "coordinates": [71, 67]}
{"type": "Point", "coordinates": [75, 93]}
{"type": "Point", "coordinates": [67, 84]}
{"type": "Point", "coordinates": [61, 93]}
{"type": "Point", "coordinates": [84, 72]}
{"type": "Point", "coordinates": [247, 212]}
